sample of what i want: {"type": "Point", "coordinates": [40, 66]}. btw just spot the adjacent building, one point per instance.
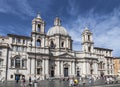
{"type": "Point", "coordinates": [116, 65]}
{"type": "Point", "coordinates": [43, 55]}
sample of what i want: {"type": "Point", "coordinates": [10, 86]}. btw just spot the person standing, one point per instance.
{"type": "Point", "coordinates": [80, 80]}
{"type": "Point", "coordinates": [23, 81]}
{"type": "Point", "coordinates": [71, 82]}
{"type": "Point", "coordinates": [30, 81]}
{"type": "Point", "coordinates": [17, 79]}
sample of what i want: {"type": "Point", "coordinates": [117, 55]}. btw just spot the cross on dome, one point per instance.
{"type": "Point", "coordinates": [57, 22]}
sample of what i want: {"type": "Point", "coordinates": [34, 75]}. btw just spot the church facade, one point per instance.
{"type": "Point", "coordinates": [43, 55]}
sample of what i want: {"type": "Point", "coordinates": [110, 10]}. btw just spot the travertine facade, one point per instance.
{"type": "Point", "coordinates": [50, 54]}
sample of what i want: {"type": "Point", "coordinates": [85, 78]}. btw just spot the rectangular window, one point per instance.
{"type": "Point", "coordinates": [12, 62]}
{"type": "Point", "coordinates": [23, 63]}
{"type": "Point", "coordinates": [16, 48]}
{"type": "Point", "coordinates": [39, 63]}
{"type": "Point", "coordinates": [11, 76]}
{"type": "Point", "coordinates": [0, 53]}
{"type": "Point", "coordinates": [13, 40]}
{"type": "Point", "coordinates": [23, 41]}
{"type": "Point", "coordinates": [17, 63]}
{"type": "Point", "coordinates": [18, 40]}
{"type": "Point", "coordinates": [19, 48]}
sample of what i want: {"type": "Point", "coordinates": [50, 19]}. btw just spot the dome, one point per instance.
{"type": "Point", "coordinates": [57, 28]}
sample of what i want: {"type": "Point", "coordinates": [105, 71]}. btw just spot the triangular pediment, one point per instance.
{"type": "Point", "coordinates": [66, 55]}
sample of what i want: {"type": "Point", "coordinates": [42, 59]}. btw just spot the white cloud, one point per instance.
{"type": "Point", "coordinates": [105, 30]}
{"type": "Point", "coordinates": [17, 7]}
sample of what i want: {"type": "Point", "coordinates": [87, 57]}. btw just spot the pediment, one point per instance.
{"type": "Point", "coordinates": [66, 55]}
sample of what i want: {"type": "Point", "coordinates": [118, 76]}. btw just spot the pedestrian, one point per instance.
{"type": "Point", "coordinates": [17, 79]}
{"type": "Point", "coordinates": [71, 82]}
{"type": "Point", "coordinates": [108, 80]}
{"type": "Point", "coordinates": [80, 79]}
{"type": "Point", "coordinates": [3, 79]}
{"type": "Point", "coordinates": [30, 81]}
{"type": "Point", "coordinates": [23, 81]}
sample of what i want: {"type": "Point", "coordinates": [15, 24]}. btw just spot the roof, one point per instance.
{"type": "Point", "coordinates": [103, 48]}
{"type": "Point", "coordinates": [19, 36]}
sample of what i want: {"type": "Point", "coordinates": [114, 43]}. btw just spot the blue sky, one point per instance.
{"type": "Point", "coordinates": [101, 16]}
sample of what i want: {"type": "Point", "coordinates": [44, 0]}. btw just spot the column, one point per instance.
{"type": "Point", "coordinates": [46, 67]}
{"type": "Point", "coordinates": [61, 68]}
{"type": "Point", "coordinates": [70, 69]}
{"type": "Point", "coordinates": [33, 66]}
{"type": "Point", "coordinates": [95, 69]}
{"type": "Point", "coordinates": [29, 66]}
{"type": "Point", "coordinates": [73, 68]}
{"type": "Point", "coordinates": [58, 69]}
{"type": "Point", "coordinates": [43, 67]}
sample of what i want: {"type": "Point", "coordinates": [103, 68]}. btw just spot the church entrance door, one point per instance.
{"type": "Point", "coordinates": [65, 72]}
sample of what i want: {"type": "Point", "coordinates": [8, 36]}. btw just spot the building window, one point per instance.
{"type": "Point", "coordinates": [11, 76]}
{"type": "Point", "coordinates": [39, 63]}
{"type": "Point", "coordinates": [12, 62]}
{"type": "Point", "coordinates": [23, 63]}
{"type": "Point", "coordinates": [52, 44]}
{"type": "Point", "coordinates": [17, 63]}
{"type": "Point", "coordinates": [13, 40]}
{"type": "Point", "coordinates": [23, 41]}
{"type": "Point", "coordinates": [89, 49]}
{"type": "Point", "coordinates": [38, 43]}
{"type": "Point", "coordinates": [88, 37]}
{"type": "Point", "coordinates": [18, 40]}
{"type": "Point", "coordinates": [38, 28]}
{"type": "Point", "coordinates": [19, 48]}
{"type": "Point", "coordinates": [39, 71]}
{"type": "Point", "coordinates": [62, 44]}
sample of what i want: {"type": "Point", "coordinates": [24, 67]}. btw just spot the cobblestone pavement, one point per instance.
{"type": "Point", "coordinates": [57, 83]}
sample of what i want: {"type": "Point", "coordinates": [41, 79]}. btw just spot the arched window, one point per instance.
{"type": "Point", "coordinates": [38, 43]}
{"type": "Point", "coordinates": [89, 49]}
{"type": "Point", "coordinates": [88, 37]}
{"type": "Point", "coordinates": [39, 63]}
{"type": "Point", "coordinates": [17, 62]}
{"type": "Point", "coordinates": [38, 29]}
{"type": "Point", "coordinates": [52, 44]}
{"type": "Point", "coordinates": [62, 44]}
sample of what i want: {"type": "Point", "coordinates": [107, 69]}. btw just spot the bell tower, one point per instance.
{"type": "Point", "coordinates": [38, 31]}
{"type": "Point", "coordinates": [87, 41]}
{"type": "Point", "coordinates": [38, 25]}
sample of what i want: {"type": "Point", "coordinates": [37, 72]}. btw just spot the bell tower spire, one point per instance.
{"type": "Point", "coordinates": [38, 15]}
{"type": "Point", "coordinates": [38, 24]}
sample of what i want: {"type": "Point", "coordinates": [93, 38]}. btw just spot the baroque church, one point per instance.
{"type": "Point", "coordinates": [44, 55]}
